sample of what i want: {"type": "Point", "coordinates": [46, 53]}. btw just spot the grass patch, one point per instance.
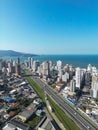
{"type": "Point", "coordinates": [66, 121]}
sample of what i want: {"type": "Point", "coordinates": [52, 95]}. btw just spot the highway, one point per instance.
{"type": "Point", "coordinates": [72, 113]}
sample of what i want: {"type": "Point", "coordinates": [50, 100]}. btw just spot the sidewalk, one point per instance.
{"type": "Point", "coordinates": [54, 117]}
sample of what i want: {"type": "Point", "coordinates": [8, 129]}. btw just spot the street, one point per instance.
{"type": "Point", "coordinates": [73, 114]}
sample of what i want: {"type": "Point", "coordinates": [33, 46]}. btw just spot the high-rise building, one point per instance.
{"type": "Point", "coordinates": [40, 70]}
{"type": "Point", "coordinates": [79, 77]}
{"type": "Point", "coordinates": [26, 63]}
{"type": "Point", "coordinates": [4, 73]}
{"type": "Point", "coordinates": [10, 67]}
{"type": "Point", "coordinates": [65, 77]}
{"type": "Point", "coordinates": [17, 67]}
{"type": "Point", "coordinates": [94, 80]}
{"type": "Point", "coordinates": [72, 85]}
{"type": "Point", "coordinates": [18, 60]}
{"type": "Point", "coordinates": [46, 69]}
{"type": "Point", "coordinates": [0, 65]}
{"type": "Point", "coordinates": [30, 62]}
{"type": "Point", "coordinates": [88, 79]}
{"type": "Point", "coordinates": [94, 93]}
{"type": "Point", "coordinates": [53, 72]}
{"type": "Point", "coordinates": [89, 68]}
{"type": "Point", "coordinates": [60, 73]}
{"type": "Point", "coordinates": [50, 64]}
{"type": "Point", "coordinates": [66, 68]}
{"type": "Point", "coordinates": [35, 65]}
{"type": "Point", "coordinates": [59, 65]}
{"type": "Point", "coordinates": [94, 87]}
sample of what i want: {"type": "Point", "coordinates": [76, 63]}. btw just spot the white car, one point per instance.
{"type": "Point", "coordinates": [88, 127]}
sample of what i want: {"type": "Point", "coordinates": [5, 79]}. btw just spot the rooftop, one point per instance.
{"type": "Point", "coordinates": [47, 125]}
{"type": "Point", "coordinates": [16, 124]}
{"type": "Point", "coordinates": [29, 111]}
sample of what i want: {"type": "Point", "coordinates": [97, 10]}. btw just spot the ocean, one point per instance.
{"type": "Point", "coordinates": [75, 60]}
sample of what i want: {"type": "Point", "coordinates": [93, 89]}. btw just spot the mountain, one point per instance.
{"type": "Point", "coordinates": [14, 53]}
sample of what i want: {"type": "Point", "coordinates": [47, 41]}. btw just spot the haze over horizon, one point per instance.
{"type": "Point", "coordinates": [49, 27]}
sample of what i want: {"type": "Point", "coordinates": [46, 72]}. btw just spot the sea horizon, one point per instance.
{"type": "Point", "coordinates": [75, 60]}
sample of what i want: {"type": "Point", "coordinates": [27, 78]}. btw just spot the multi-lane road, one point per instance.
{"type": "Point", "coordinates": [71, 112]}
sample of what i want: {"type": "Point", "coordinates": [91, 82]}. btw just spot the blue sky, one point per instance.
{"type": "Point", "coordinates": [49, 26]}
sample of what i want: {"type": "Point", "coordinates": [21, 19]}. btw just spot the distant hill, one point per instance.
{"type": "Point", "coordinates": [14, 53]}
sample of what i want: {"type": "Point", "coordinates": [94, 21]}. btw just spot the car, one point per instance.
{"type": "Point", "coordinates": [88, 127]}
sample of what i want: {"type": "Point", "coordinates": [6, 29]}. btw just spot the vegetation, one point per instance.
{"type": "Point", "coordinates": [15, 109]}
{"type": "Point", "coordinates": [53, 86]}
{"type": "Point", "coordinates": [33, 121]}
{"type": "Point", "coordinates": [14, 53]}
{"type": "Point", "coordinates": [24, 102]}
{"type": "Point", "coordinates": [84, 108]}
{"type": "Point", "coordinates": [96, 100]}
{"type": "Point", "coordinates": [66, 121]}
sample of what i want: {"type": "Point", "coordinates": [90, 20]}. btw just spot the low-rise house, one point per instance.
{"type": "Point", "coordinates": [32, 96]}
{"type": "Point", "coordinates": [15, 125]}
{"type": "Point", "coordinates": [23, 84]}
{"type": "Point", "coordinates": [13, 91]}
{"type": "Point", "coordinates": [12, 113]}
{"type": "Point", "coordinates": [59, 86]}
{"type": "Point", "coordinates": [28, 112]}
{"type": "Point", "coordinates": [37, 101]}
{"type": "Point", "coordinates": [39, 112]}
{"type": "Point", "coordinates": [6, 116]}
{"type": "Point", "coordinates": [8, 99]}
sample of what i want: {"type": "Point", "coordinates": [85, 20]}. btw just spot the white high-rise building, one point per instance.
{"type": "Point", "coordinates": [26, 64]}
{"type": "Point", "coordinates": [89, 68]}
{"type": "Point", "coordinates": [60, 73]}
{"type": "Point", "coordinates": [14, 63]}
{"type": "Point", "coordinates": [10, 67]}
{"type": "Point", "coordinates": [79, 76]}
{"type": "Point", "coordinates": [94, 93]}
{"type": "Point", "coordinates": [70, 68]}
{"type": "Point", "coordinates": [46, 69]}
{"type": "Point", "coordinates": [59, 65]}
{"type": "Point", "coordinates": [72, 85]}
{"type": "Point", "coordinates": [65, 77]}
{"type": "Point", "coordinates": [40, 70]}
{"type": "Point", "coordinates": [94, 71]}
{"type": "Point", "coordinates": [4, 70]}
{"type": "Point", "coordinates": [94, 86]}
{"type": "Point", "coordinates": [94, 89]}
{"type": "Point", "coordinates": [35, 65]}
